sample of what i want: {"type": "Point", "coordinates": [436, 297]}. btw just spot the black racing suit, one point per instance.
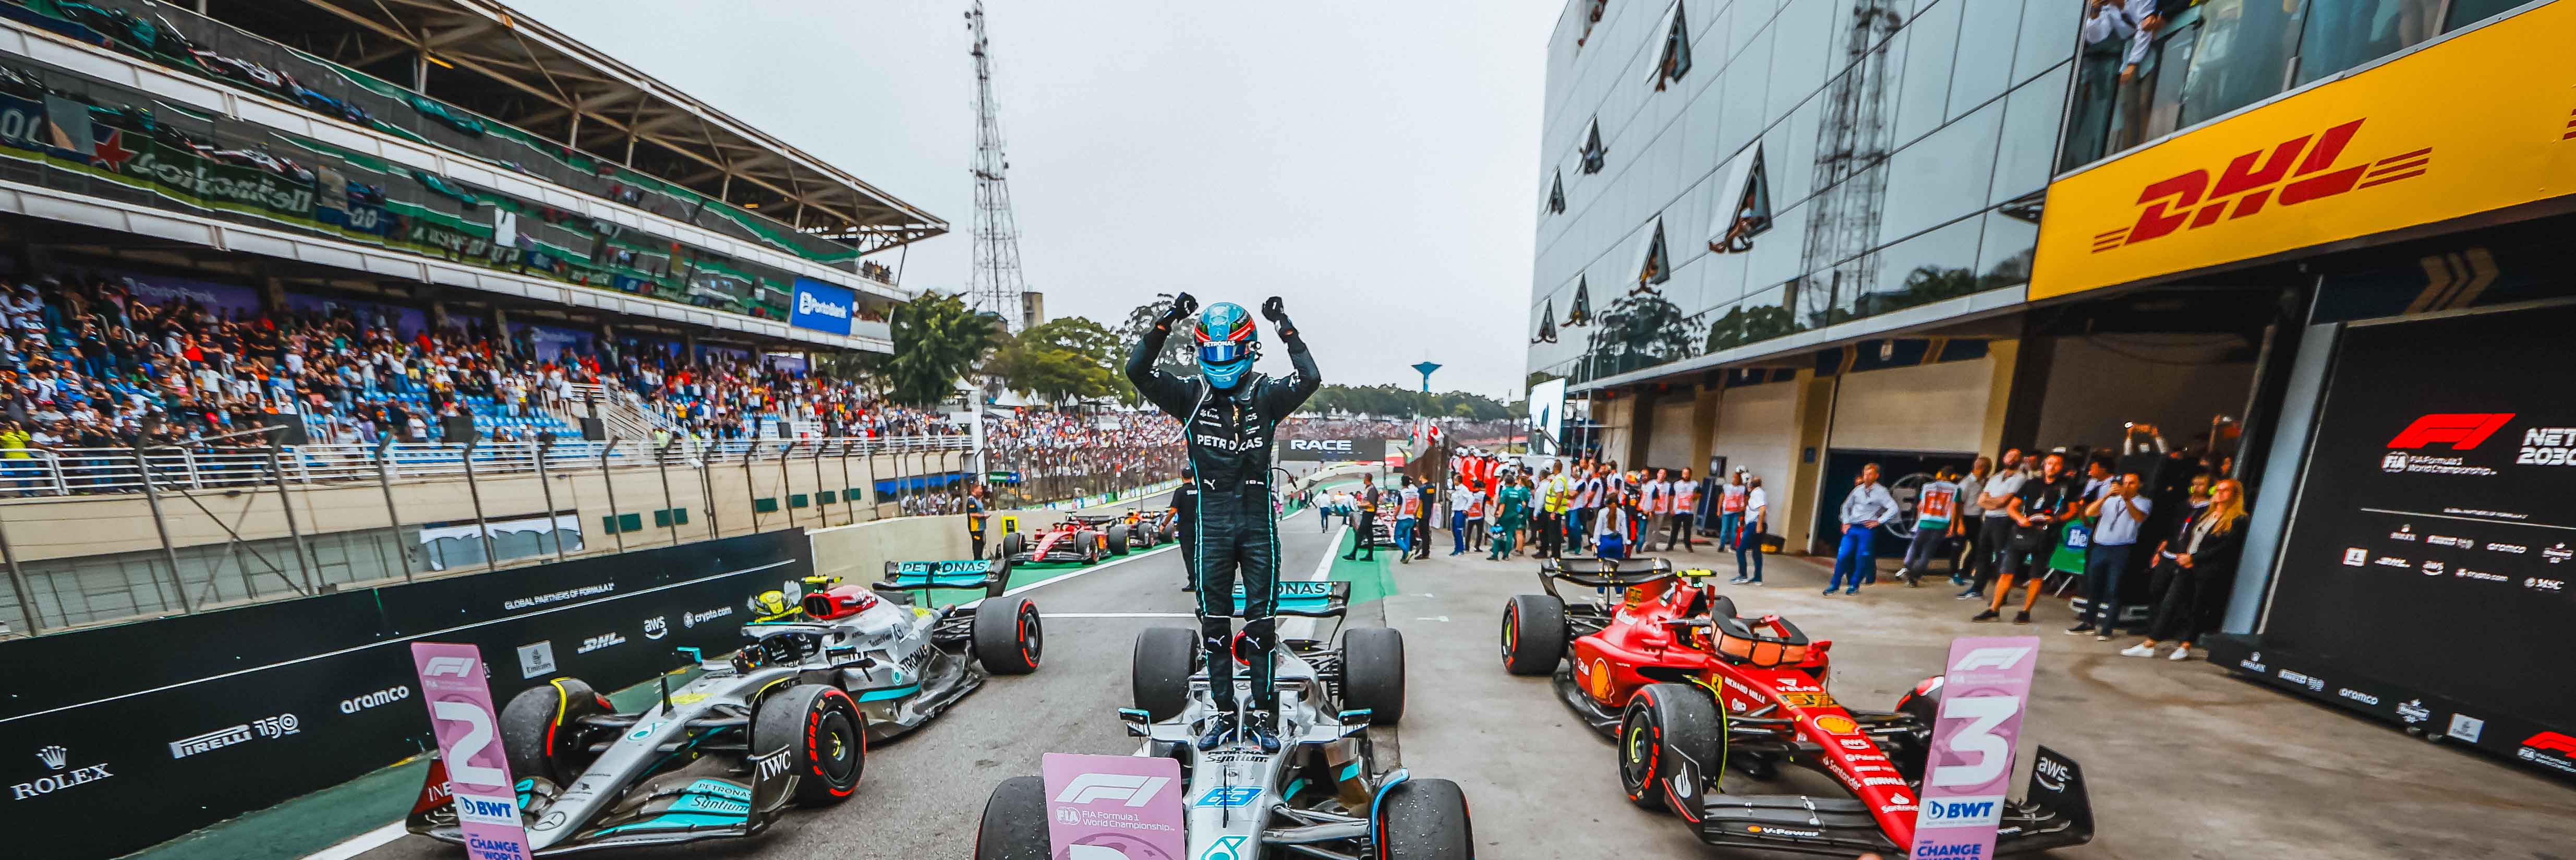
{"type": "Point", "coordinates": [1229, 433]}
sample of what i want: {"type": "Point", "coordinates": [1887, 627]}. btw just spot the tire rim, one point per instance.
{"type": "Point", "coordinates": [1511, 632]}
{"type": "Point", "coordinates": [834, 757]}
{"type": "Point", "coordinates": [1032, 638]}
{"type": "Point", "coordinates": [1638, 758]}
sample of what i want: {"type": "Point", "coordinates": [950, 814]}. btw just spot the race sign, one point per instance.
{"type": "Point", "coordinates": [1966, 782]}
{"type": "Point", "coordinates": [1113, 807]}
{"type": "Point", "coordinates": [469, 746]}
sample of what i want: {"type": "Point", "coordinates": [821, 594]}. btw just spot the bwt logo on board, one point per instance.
{"type": "Point", "coordinates": [2252, 180]}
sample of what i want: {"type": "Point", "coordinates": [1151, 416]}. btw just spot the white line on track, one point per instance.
{"type": "Point", "coordinates": [1304, 628]}
{"type": "Point", "coordinates": [1055, 615]}
{"type": "Point", "coordinates": [363, 843]}
{"type": "Point", "coordinates": [1081, 573]}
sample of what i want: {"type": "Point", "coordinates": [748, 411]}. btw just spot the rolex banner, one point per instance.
{"type": "Point", "coordinates": [164, 726]}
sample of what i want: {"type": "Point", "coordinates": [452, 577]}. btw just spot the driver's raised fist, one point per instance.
{"type": "Point", "coordinates": [1274, 310]}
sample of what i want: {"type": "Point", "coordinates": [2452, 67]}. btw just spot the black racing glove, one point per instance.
{"type": "Point", "coordinates": [1182, 305]}
{"type": "Point", "coordinates": [1277, 312]}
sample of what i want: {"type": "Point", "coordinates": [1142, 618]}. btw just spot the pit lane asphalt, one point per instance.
{"type": "Point", "coordinates": [2181, 759]}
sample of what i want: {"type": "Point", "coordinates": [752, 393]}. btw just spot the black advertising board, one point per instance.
{"type": "Point", "coordinates": [1332, 450]}
{"type": "Point", "coordinates": [2435, 535]}
{"type": "Point", "coordinates": [160, 727]}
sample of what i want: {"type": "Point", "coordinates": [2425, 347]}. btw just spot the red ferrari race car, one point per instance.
{"type": "Point", "coordinates": [1664, 666]}
{"type": "Point", "coordinates": [1074, 540]}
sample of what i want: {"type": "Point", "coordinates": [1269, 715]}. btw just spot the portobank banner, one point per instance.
{"type": "Point", "coordinates": [822, 307]}
{"type": "Point", "coordinates": [2484, 121]}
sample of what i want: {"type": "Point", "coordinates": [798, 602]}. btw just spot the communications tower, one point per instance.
{"type": "Point", "coordinates": [995, 284]}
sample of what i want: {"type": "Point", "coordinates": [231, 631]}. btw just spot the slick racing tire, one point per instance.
{"type": "Point", "coordinates": [1118, 539]}
{"type": "Point", "coordinates": [1373, 673]}
{"type": "Point", "coordinates": [819, 730]}
{"type": "Point", "coordinates": [1664, 724]}
{"type": "Point", "coordinates": [1008, 638]}
{"type": "Point", "coordinates": [1911, 754]}
{"type": "Point", "coordinates": [1424, 819]}
{"type": "Point", "coordinates": [541, 730]}
{"type": "Point", "coordinates": [1160, 673]}
{"type": "Point", "coordinates": [1013, 544]}
{"type": "Point", "coordinates": [1015, 821]}
{"type": "Point", "coordinates": [1534, 632]}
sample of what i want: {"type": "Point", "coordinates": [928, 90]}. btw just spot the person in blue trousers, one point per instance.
{"type": "Point", "coordinates": [1868, 505]}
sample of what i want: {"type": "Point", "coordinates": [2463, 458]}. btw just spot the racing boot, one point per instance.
{"type": "Point", "coordinates": [1222, 728]}
{"type": "Point", "coordinates": [1257, 731]}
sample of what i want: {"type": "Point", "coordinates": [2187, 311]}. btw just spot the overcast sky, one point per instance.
{"type": "Point", "coordinates": [1367, 161]}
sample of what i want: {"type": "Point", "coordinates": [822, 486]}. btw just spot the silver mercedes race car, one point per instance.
{"type": "Point", "coordinates": [1322, 794]}
{"type": "Point", "coordinates": [786, 718]}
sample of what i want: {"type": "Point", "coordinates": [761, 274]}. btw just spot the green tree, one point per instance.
{"type": "Point", "coordinates": [1175, 359]}
{"type": "Point", "coordinates": [1062, 360]}
{"type": "Point", "coordinates": [937, 341]}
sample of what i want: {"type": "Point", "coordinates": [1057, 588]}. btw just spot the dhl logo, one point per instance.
{"type": "Point", "coordinates": [2256, 179]}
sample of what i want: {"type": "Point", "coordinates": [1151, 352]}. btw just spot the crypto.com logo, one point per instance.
{"type": "Point", "coordinates": [2463, 430]}
{"type": "Point", "coordinates": [1135, 790]}
{"type": "Point", "coordinates": [2250, 181]}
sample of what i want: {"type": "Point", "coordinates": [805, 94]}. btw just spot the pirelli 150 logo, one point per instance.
{"type": "Point", "coordinates": [2299, 170]}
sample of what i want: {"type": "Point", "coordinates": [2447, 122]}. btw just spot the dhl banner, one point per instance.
{"type": "Point", "coordinates": [2484, 121]}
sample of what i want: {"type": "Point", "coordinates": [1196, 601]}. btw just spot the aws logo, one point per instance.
{"type": "Point", "coordinates": [2299, 170]}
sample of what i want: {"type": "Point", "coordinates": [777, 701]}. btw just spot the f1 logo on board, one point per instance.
{"type": "Point", "coordinates": [1134, 790]}
{"type": "Point", "coordinates": [2463, 430]}
{"type": "Point", "coordinates": [458, 666]}
{"type": "Point", "coordinates": [1990, 658]}
{"type": "Point", "coordinates": [2248, 182]}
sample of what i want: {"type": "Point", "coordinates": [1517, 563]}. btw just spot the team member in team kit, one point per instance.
{"type": "Point", "coordinates": [1366, 501]}
{"type": "Point", "coordinates": [2043, 504]}
{"type": "Point", "coordinates": [1685, 517]}
{"type": "Point", "coordinates": [1229, 418]}
{"type": "Point", "coordinates": [1936, 519]}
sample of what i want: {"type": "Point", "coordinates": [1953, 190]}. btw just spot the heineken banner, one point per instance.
{"type": "Point", "coordinates": [247, 182]}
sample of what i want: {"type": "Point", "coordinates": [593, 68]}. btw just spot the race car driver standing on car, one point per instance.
{"type": "Point", "coordinates": [1229, 416]}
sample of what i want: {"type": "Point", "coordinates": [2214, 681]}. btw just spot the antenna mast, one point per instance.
{"type": "Point", "coordinates": [995, 284]}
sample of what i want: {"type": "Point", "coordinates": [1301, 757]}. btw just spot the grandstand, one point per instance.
{"type": "Point", "coordinates": [362, 228]}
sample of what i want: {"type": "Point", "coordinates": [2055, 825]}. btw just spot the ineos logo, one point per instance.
{"type": "Point", "coordinates": [379, 697]}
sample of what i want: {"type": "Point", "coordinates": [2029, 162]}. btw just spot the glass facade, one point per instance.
{"type": "Point", "coordinates": [2193, 61]}
{"type": "Point", "coordinates": [1819, 162]}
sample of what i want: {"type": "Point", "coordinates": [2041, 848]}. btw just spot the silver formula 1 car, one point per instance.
{"type": "Point", "coordinates": [1321, 795]}
{"type": "Point", "coordinates": [786, 718]}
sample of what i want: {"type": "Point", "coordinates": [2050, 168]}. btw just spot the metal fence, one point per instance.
{"type": "Point", "coordinates": [240, 494]}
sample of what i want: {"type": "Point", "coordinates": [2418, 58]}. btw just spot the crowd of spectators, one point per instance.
{"type": "Point", "coordinates": [87, 362]}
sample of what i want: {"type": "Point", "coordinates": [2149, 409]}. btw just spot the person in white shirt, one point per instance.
{"type": "Point", "coordinates": [1466, 505]}
{"type": "Point", "coordinates": [1748, 534]}
{"type": "Point", "coordinates": [2119, 512]}
{"type": "Point", "coordinates": [1655, 499]}
{"type": "Point", "coordinates": [1996, 531]}
{"type": "Point", "coordinates": [1970, 519]}
{"type": "Point", "coordinates": [1868, 505]}
{"type": "Point", "coordinates": [1685, 513]}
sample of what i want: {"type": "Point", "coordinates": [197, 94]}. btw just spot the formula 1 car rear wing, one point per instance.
{"type": "Point", "coordinates": [2055, 813]}
{"type": "Point", "coordinates": [1603, 573]}
{"type": "Point", "coordinates": [1305, 599]}
{"type": "Point", "coordinates": [991, 575]}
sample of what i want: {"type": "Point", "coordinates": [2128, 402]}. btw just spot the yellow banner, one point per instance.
{"type": "Point", "coordinates": [2484, 121]}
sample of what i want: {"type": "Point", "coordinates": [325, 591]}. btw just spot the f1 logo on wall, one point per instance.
{"type": "Point", "coordinates": [2254, 179]}
{"type": "Point", "coordinates": [2462, 430]}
